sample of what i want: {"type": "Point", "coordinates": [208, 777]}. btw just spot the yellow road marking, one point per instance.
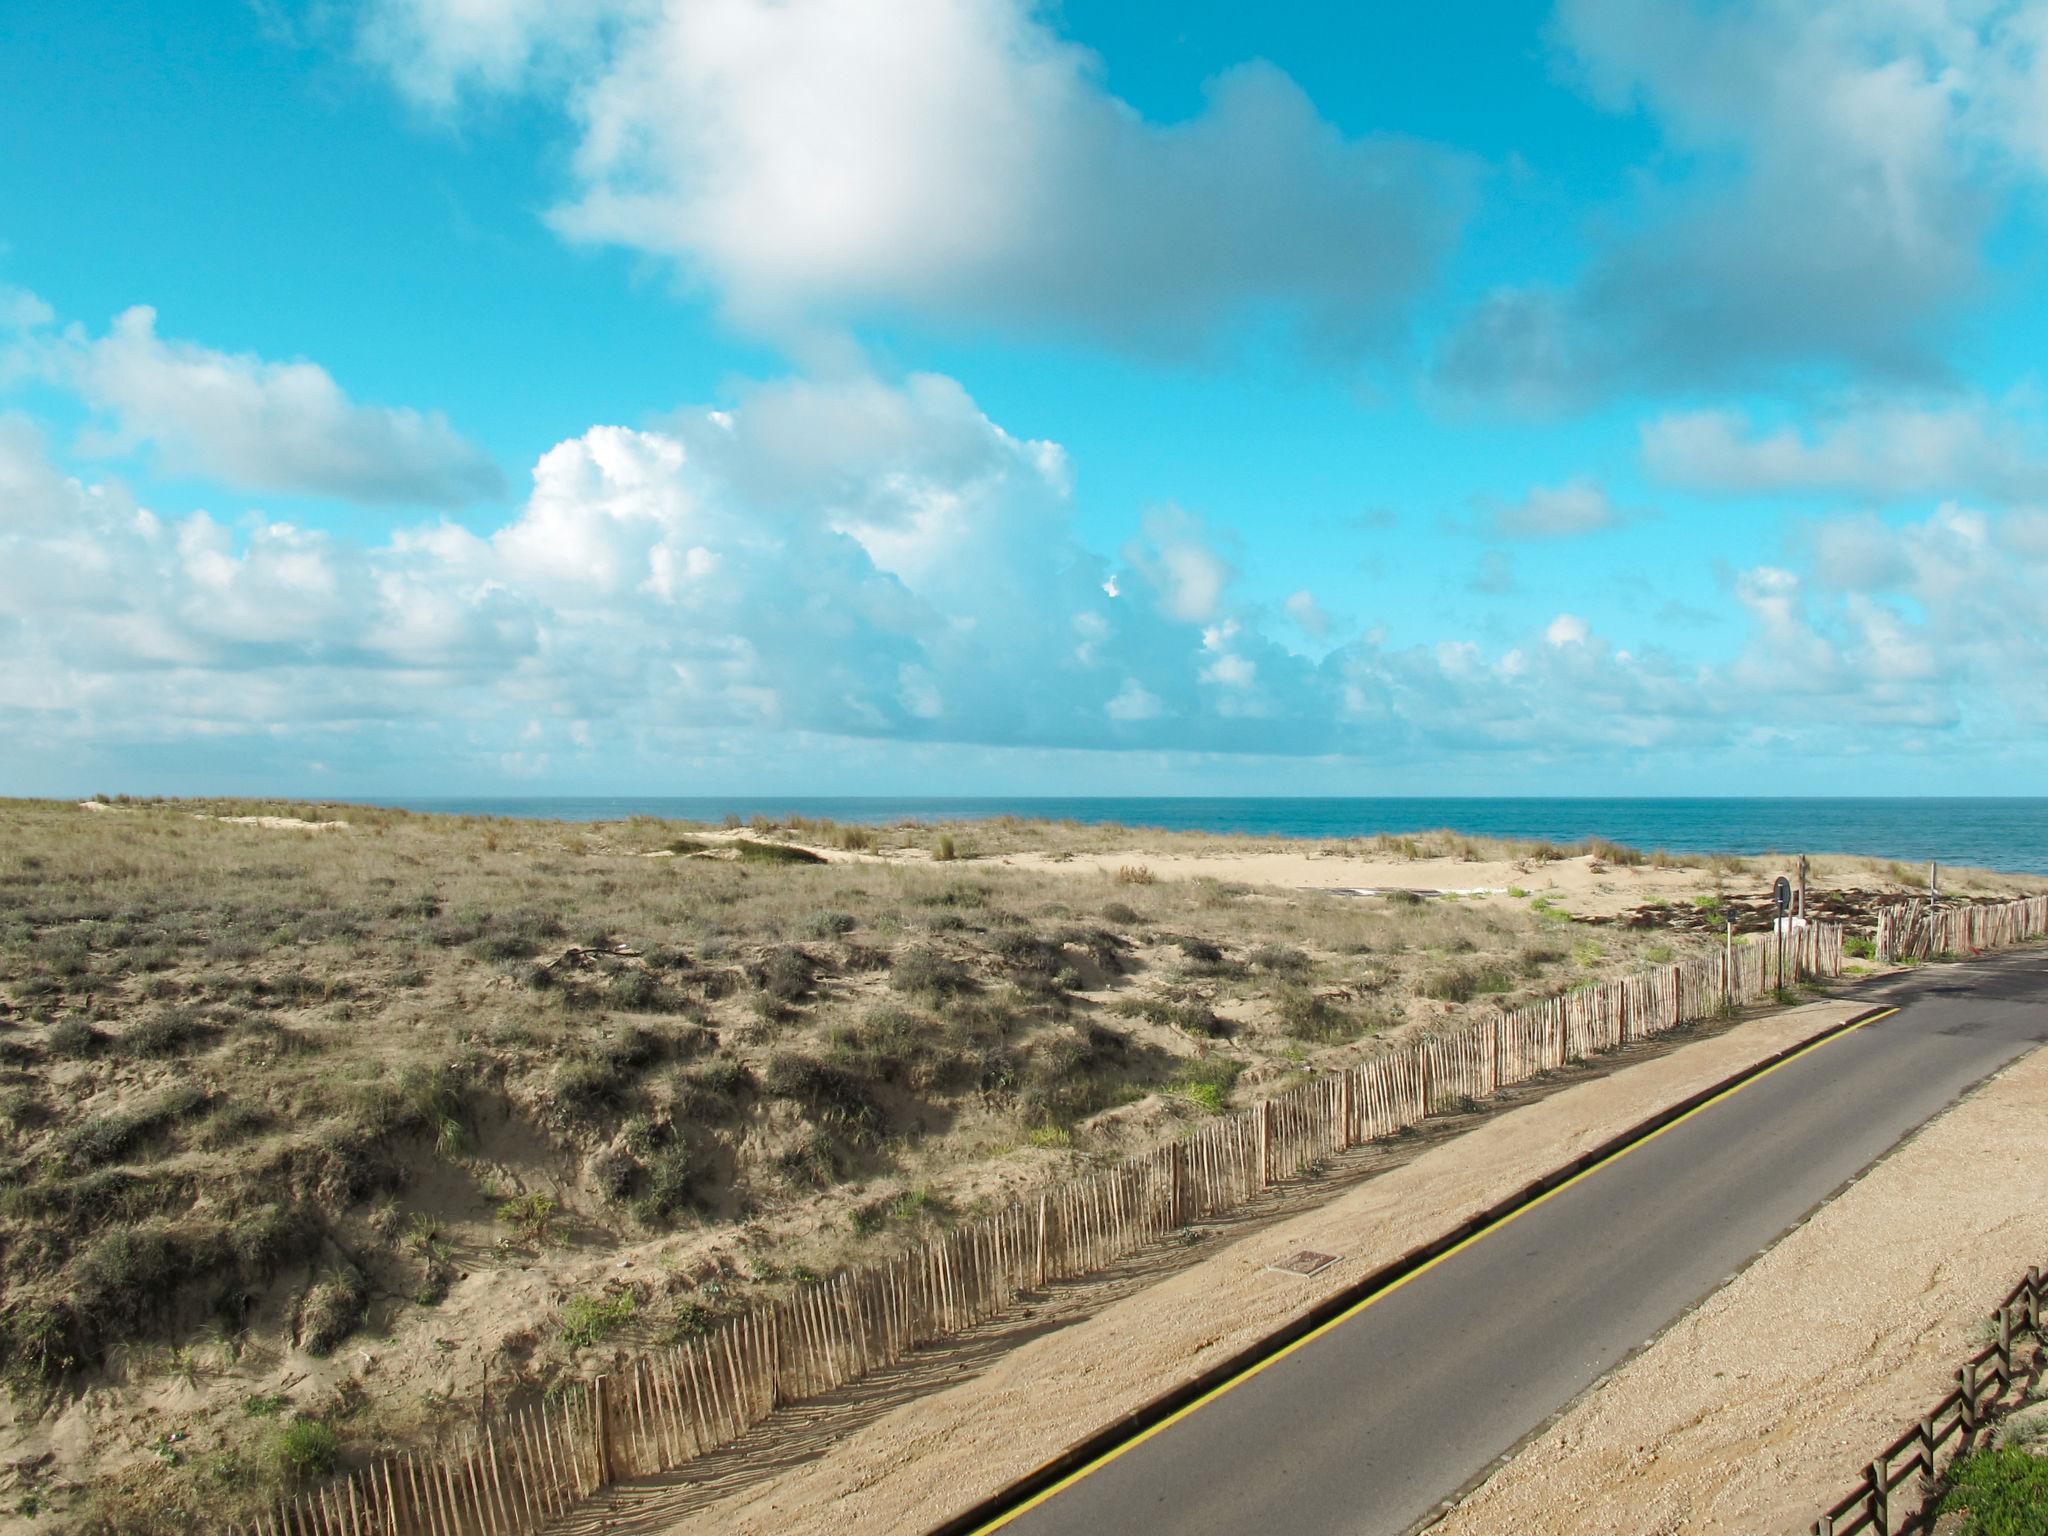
{"type": "Point", "coordinates": [1387, 1290]}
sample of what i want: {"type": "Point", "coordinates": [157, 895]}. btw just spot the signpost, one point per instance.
{"type": "Point", "coordinates": [1783, 892]}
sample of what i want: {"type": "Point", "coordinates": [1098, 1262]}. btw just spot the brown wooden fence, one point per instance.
{"type": "Point", "coordinates": [1920, 930]}
{"type": "Point", "coordinates": [672, 1405]}
{"type": "Point", "coordinates": [1993, 1375]}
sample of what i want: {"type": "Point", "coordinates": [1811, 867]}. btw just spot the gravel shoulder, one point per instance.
{"type": "Point", "coordinates": [943, 1450]}
{"type": "Point", "coordinates": [1754, 1411]}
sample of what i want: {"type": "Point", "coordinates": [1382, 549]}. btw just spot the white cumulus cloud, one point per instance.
{"type": "Point", "coordinates": [1577, 506]}
{"type": "Point", "coordinates": [259, 425]}
{"type": "Point", "coordinates": [1884, 450]}
{"type": "Point", "coordinates": [1826, 180]}
{"type": "Point", "coordinates": [953, 159]}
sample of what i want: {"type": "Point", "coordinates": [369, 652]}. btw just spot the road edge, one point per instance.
{"type": "Point", "coordinates": [1008, 1502]}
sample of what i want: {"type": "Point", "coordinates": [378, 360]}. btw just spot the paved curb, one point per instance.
{"type": "Point", "coordinates": [1138, 1420]}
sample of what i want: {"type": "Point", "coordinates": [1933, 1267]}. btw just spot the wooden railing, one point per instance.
{"type": "Point", "coordinates": [1920, 930]}
{"type": "Point", "coordinates": [671, 1406]}
{"type": "Point", "coordinates": [1982, 1386]}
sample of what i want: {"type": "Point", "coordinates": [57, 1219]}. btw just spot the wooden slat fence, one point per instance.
{"type": "Point", "coordinates": [672, 1405]}
{"type": "Point", "coordinates": [1920, 930]}
{"type": "Point", "coordinates": [1982, 1386]}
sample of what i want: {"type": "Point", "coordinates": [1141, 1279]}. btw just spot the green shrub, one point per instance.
{"type": "Point", "coordinates": [821, 1088]}
{"type": "Point", "coordinates": [74, 1038]}
{"type": "Point", "coordinates": [786, 974]}
{"type": "Point", "coordinates": [1319, 1020]}
{"type": "Point", "coordinates": [1999, 1493]}
{"type": "Point", "coordinates": [1859, 946]}
{"type": "Point", "coordinates": [1207, 1080]}
{"type": "Point", "coordinates": [929, 972]}
{"type": "Point", "coordinates": [943, 851]}
{"type": "Point", "coordinates": [689, 1320]}
{"type": "Point", "coordinates": [639, 992]}
{"type": "Point", "coordinates": [304, 1451]}
{"type": "Point", "coordinates": [170, 1033]}
{"type": "Point", "coordinates": [1280, 959]}
{"type": "Point", "coordinates": [713, 1091]}
{"type": "Point", "coordinates": [584, 1087]}
{"type": "Point", "coordinates": [110, 1137]}
{"type": "Point", "coordinates": [776, 853]}
{"type": "Point", "coordinates": [530, 1216]}
{"type": "Point", "coordinates": [587, 1321]}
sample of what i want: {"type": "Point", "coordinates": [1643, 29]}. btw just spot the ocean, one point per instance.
{"type": "Point", "coordinates": [2007, 834]}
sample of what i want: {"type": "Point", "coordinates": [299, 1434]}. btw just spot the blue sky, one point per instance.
{"type": "Point", "coordinates": [966, 396]}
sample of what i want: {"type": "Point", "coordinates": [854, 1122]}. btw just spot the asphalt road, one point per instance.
{"type": "Point", "coordinates": [1369, 1428]}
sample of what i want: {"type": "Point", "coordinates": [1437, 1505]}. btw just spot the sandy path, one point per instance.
{"type": "Point", "coordinates": [1755, 1411]}
{"type": "Point", "coordinates": [941, 1451]}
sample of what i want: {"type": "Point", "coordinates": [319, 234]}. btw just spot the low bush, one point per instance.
{"type": "Point", "coordinates": [303, 1451]}
{"type": "Point", "coordinates": [752, 852]}
{"type": "Point", "coordinates": [531, 1218]}
{"type": "Point", "coordinates": [1280, 959]}
{"type": "Point", "coordinates": [1998, 1493]}
{"type": "Point", "coordinates": [929, 972]}
{"type": "Point", "coordinates": [639, 991]}
{"type": "Point", "coordinates": [713, 1091]}
{"type": "Point", "coordinates": [170, 1033]}
{"type": "Point", "coordinates": [786, 974]}
{"type": "Point", "coordinates": [587, 1321]}
{"type": "Point", "coordinates": [1317, 1019]}
{"type": "Point", "coordinates": [823, 1089]}
{"type": "Point", "coordinates": [333, 1308]}
{"type": "Point", "coordinates": [110, 1137]}
{"type": "Point", "coordinates": [585, 1087]}
{"type": "Point", "coordinates": [74, 1038]}
{"type": "Point", "coordinates": [1207, 1081]}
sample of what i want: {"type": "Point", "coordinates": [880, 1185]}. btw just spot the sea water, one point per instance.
{"type": "Point", "coordinates": [2008, 834]}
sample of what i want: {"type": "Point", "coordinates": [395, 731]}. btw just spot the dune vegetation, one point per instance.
{"type": "Point", "coordinates": [325, 1125]}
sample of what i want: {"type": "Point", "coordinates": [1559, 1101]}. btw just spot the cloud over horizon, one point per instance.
{"type": "Point", "coordinates": [913, 578]}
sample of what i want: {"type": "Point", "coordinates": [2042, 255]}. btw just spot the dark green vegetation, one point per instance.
{"type": "Point", "coordinates": [1998, 1493]}
{"type": "Point", "coordinates": [272, 1100]}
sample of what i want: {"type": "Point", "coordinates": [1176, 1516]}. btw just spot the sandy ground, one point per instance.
{"type": "Point", "coordinates": [943, 1449]}
{"type": "Point", "coordinates": [1584, 886]}
{"type": "Point", "coordinates": [1754, 1412]}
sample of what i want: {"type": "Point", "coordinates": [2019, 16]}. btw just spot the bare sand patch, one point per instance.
{"type": "Point", "coordinates": [935, 1455]}
{"type": "Point", "coordinates": [1754, 1412]}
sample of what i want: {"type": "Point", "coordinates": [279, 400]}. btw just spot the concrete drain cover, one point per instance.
{"type": "Point", "coordinates": [1306, 1262]}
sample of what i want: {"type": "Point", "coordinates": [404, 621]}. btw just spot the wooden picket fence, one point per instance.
{"type": "Point", "coordinates": [1983, 1385]}
{"type": "Point", "coordinates": [1920, 930]}
{"type": "Point", "coordinates": [672, 1405]}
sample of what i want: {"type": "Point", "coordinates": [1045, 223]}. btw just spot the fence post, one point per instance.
{"type": "Point", "coordinates": [602, 1422]}
{"type": "Point", "coordinates": [1265, 1143]}
{"type": "Point", "coordinates": [1346, 1105]}
{"type": "Point", "coordinates": [1422, 1080]}
{"type": "Point", "coordinates": [1880, 1499]}
{"type": "Point", "coordinates": [1040, 1265]}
